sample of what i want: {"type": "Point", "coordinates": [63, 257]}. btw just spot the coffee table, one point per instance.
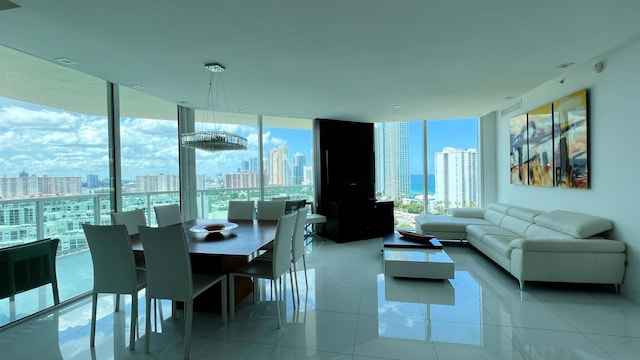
{"type": "Point", "coordinates": [415, 260]}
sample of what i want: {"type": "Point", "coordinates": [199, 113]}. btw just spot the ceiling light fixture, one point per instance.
{"type": "Point", "coordinates": [65, 61]}
{"type": "Point", "coordinates": [214, 140]}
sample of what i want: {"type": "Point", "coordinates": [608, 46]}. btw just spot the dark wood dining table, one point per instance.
{"type": "Point", "coordinates": [222, 252]}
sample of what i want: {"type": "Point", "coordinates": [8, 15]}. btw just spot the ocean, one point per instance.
{"type": "Point", "coordinates": [417, 184]}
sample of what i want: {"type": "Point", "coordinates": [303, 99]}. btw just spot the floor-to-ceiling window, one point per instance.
{"type": "Point", "coordinates": [149, 152]}
{"type": "Point", "coordinates": [227, 175]}
{"type": "Point", "coordinates": [287, 158]}
{"type": "Point", "coordinates": [399, 168]}
{"type": "Point", "coordinates": [453, 172]}
{"type": "Point", "coordinates": [53, 143]}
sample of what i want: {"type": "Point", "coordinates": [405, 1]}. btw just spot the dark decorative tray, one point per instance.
{"type": "Point", "coordinates": [426, 239]}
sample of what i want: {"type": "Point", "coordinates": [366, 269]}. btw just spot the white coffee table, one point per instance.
{"type": "Point", "coordinates": [418, 263]}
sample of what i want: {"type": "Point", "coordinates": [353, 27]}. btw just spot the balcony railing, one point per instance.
{"type": "Point", "coordinates": [27, 220]}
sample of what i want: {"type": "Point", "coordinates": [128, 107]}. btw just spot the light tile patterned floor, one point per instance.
{"type": "Point", "coordinates": [352, 311]}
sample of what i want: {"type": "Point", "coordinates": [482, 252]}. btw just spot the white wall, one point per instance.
{"type": "Point", "coordinates": [614, 144]}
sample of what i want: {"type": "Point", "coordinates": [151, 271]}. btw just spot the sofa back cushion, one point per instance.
{"type": "Point", "coordinates": [515, 225]}
{"type": "Point", "coordinates": [523, 213]}
{"type": "Point", "coordinates": [494, 217]}
{"type": "Point", "coordinates": [540, 232]}
{"type": "Point", "coordinates": [575, 224]}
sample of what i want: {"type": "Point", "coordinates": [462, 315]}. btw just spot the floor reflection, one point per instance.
{"type": "Point", "coordinates": [404, 314]}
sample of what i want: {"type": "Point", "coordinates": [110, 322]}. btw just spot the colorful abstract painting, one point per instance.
{"type": "Point", "coordinates": [571, 141]}
{"type": "Point", "coordinates": [540, 146]}
{"type": "Point", "coordinates": [519, 153]}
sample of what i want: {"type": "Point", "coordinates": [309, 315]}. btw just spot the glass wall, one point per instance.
{"type": "Point", "coordinates": [399, 169]}
{"type": "Point", "coordinates": [53, 138]}
{"type": "Point", "coordinates": [287, 158]}
{"type": "Point", "coordinates": [227, 175]}
{"type": "Point", "coordinates": [149, 152]}
{"type": "Point", "coordinates": [452, 148]}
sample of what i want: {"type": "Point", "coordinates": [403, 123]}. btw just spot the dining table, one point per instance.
{"type": "Point", "coordinates": [226, 247]}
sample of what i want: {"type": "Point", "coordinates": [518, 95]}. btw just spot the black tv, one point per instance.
{"type": "Point", "coordinates": [350, 168]}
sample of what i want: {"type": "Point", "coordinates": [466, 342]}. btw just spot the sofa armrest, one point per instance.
{"type": "Point", "coordinates": [475, 213]}
{"type": "Point", "coordinates": [568, 245]}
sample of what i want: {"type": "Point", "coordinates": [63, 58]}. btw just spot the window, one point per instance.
{"type": "Point", "coordinates": [452, 147]}
{"type": "Point", "coordinates": [53, 132]}
{"type": "Point", "coordinates": [149, 152]}
{"type": "Point", "coordinates": [287, 158]}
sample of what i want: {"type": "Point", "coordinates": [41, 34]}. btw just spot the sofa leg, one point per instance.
{"type": "Point", "coordinates": [616, 288]}
{"type": "Point", "coordinates": [521, 284]}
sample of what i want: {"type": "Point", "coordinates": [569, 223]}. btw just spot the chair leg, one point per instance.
{"type": "Point", "coordinates": [188, 315]}
{"type": "Point", "coordinates": [304, 264]}
{"type": "Point", "coordinates": [223, 299]}
{"type": "Point", "coordinates": [293, 296]}
{"type": "Point", "coordinates": [117, 302]}
{"type": "Point", "coordinates": [174, 310]}
{"type": "Point", "coordinates": [134, 321]}
{"type": "Point", "coordinates": [232, 303]}
{"type": "Point", "coordinates": [278, 303]}
{"type": "Point", "coordinates": [295, 274]}
{"type": "Point", "coordinates": [94, 310]}
{"type": "Point", "coordinates": [147, 336]}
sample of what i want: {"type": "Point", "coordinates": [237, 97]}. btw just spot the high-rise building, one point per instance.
{"type": "Point", "coordinates": [92, 181]}
{"type": "Point", "coordinates": [28, 186]}
{"type": "Point", "coordinates": [397, 180]}
{"type": "Point", "coordinates": [378, 133]}
{"type": "Point", "coordinates": [299, 161]}
{"type": "Point", "coordinates": [163, 182]}
{"type": "Point", "coordinates": [456, 177]}
{"type": "Point", "coordinates": [279, 168]}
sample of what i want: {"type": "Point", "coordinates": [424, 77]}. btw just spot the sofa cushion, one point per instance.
{"type": "Point", "coordinates": [569, 245]}
{"type": "Point", "coordinates": [536, 231]}
{"type": "Point", "coordinates": [444, 223]}
{"type": "Point", "coordinates": [479, 231]}
{"type": "Point", "coordinates": [523, 213]}
{"type": "Point", "coordinates": [468, 213]}
{"type": "Point", "coordinates": [499, 243]}
{"type": "Point", "coordinates": [493, 216]}
{"type": "Point", "coordinates": [515, 225]}
{"type": "Point", "coordinates": [576, 224]}
{"type": "Point", "coordinates": [501, 208]}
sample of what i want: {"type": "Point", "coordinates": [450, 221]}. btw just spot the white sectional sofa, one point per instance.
{"type": "Point", "coordinates": [534, 245]}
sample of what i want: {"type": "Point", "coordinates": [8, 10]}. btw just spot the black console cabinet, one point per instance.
{"type": "Point", "coordinates": [345, 181]}
{"type": "Point", "coordinates": [358, 221]}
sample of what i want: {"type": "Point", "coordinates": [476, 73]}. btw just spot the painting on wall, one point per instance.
{"type": "Point", "coordinates": [519, 152]}
{"type": "Point", "coordinates": [571, 141]}
{"type": "Point", "coordinates": [540, 146]}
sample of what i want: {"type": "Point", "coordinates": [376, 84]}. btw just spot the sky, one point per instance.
{"type": "Point", "coordinates": [47, 141]}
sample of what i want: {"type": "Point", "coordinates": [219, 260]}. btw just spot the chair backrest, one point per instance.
{"type": "Point", "coordinates": [282, 244]}
{"type": "Point", "coordinates": [293, 205]}
{"type": "Point", "coordinates": [241, 210]}
{"type": "Point", "coordinates": [167, 215]}
{"type": "Point", "coordinates": [297, 245]}
{"type": "Point", "coordinates": [114, 266]}
{"type": "Point", "coordinates": [131, 219]}
{"type": "Point", "coordinates": [168, 263]}
{"type": "Point", "coordinates": [270, 210]}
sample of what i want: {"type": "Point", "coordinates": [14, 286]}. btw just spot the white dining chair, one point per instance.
{"type": "Point", "coordinates": [272, 270]}
{"type": "Point", "coordinates": [241, 210]}
{"type": "Point", "coordinates": [270, 210]}
{"type": "Point", "coordinates": [297, 249]}
{"type": "Point", "coordinates": [114, 271]}
{"type": "Point", "coordinates": [168, 245]}
{"type": "Point", "coordinates": [167, 215]}
{"type": "Point", "coordinates": [131, 219]}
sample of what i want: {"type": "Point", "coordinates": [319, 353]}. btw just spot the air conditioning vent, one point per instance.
{"type": "Point", "coordinates": [511, 108]}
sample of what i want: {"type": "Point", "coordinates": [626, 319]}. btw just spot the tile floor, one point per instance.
{"type": "Point", "coordinates": [352, 311]}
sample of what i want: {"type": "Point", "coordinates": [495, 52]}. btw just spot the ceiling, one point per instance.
{"type": "Point", "coordinates": [360, 60]}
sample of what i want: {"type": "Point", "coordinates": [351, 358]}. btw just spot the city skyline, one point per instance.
{"type": "Point", "coordinates": [46, 141]}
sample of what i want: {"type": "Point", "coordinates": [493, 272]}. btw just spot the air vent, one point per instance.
{"type": "Point", "coordinates": [6, 5]}
{"type": "Point", "coordinates": [511, 108]}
